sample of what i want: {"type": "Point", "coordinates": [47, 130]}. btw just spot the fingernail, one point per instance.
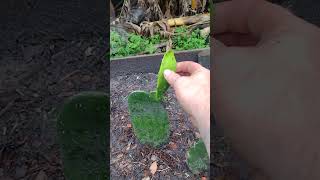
{"type": "Point", "coordinates": [167, 72]}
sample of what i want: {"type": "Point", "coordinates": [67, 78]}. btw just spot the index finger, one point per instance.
{"type": "Point", "coordinates": [256, 17]}
{"type": "Point", "coordinates": [189, 67]}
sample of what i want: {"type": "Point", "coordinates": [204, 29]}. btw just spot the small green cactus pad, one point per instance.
{"type": "Point", "coordinates": [168, 62]}
{"type": "Point", "coordinates": [149, 118]}
{"type": "Point", "coordinates": [197, 158]}
{"type": "Point", "coordinates": [83, 136]}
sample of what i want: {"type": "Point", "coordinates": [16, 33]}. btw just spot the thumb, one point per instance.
{"type": "Point", "coordinates": [171, 76]}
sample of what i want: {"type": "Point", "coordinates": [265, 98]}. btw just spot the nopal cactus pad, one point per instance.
{"type": "Point", "coordinates": [168, 62]}
{"type": "Point", "coordinates": [149, 118]}
{"type": "Point", "coordinates": [83, 134]}
{"type": "Point", "coordinates": [197, 158]}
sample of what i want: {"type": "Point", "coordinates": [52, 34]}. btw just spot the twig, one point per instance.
{"type": "Point", "coordinates": [68, 75]}
{"type": "Point", "coordinates": [5, 109]}
{"type": "Point", "coordinates": [164, 169]}
{"type": "Point", "coordinates": [139, 163]}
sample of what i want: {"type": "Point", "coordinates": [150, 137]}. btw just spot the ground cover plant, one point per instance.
{"type": "Point", "coordinates": [135, 44]}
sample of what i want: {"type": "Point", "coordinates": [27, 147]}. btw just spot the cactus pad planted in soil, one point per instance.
{"type": "Point", "coordinates": [197, 158]}
{"type": "Point", "coordinates": [83, 134]}
{"type": "Point", "coordinates": [149, 118]}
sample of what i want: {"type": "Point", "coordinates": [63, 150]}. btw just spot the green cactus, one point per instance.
{"type": "Point", "coordinates": [197, 158]}
{"type": "Point", "coordinates": [149, 118]}
{"type": "Point", "coordinates": [168, 62]}
{"type": "Point", "coordinates": [83, 135]}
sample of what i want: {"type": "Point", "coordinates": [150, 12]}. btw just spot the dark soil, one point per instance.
{"type": "Point", "coordinates": [49, 51]}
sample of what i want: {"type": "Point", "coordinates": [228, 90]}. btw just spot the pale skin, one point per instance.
{"type": "Point", "coordinates": [266, 84]}
{"type": "Point", "coordinates": [191, 84]}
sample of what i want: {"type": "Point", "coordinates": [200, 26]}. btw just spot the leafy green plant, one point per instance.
{"type": "Point", "coordinates": [185, 40]}
{"type": "Point", "coordinates": [149, 118]}
{"type": "Point", "coordinates": [137, 44]}
{"type": "Point", "coordinates": [82, 134]}
{"type": "Point", "coordinates": [197, 158]}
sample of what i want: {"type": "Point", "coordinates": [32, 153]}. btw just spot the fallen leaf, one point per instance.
{"type": "Point", "coordinates": [153, 167]}
{"type": "Point", "coordinates": [173, 146]}
{"type": "Point", "coordinates": [129, 125]}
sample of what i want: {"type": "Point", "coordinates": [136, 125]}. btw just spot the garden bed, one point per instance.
{"type": "Point", "coordinates": [131, 159]}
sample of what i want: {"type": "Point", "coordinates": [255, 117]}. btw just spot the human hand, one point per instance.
{"type": "Point", "coordinates": [266, 73]}
{"type": "Point", "coordinates": [191, 84]}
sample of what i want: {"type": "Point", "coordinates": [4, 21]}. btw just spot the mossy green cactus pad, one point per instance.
{"type": "Point", "coordinates": [149, 118]}
{"type": "Point", "coordinates": [83, 136]}
{"type": "Point", "coordinates": [197, 158]}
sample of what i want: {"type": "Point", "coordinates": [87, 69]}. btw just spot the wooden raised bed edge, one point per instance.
{"type": "Point", "coordinates": [148, 63]}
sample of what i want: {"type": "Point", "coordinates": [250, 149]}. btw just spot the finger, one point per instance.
{"type": "Point", "coordinates": [188, 67]}
{"type": "Point", "coordinates": [171, 77]}
{"type": "Point", "coordinates": [256, 17]}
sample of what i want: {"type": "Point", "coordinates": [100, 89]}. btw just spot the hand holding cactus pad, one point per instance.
{"type": "Point", "coordinates": [83, 136]}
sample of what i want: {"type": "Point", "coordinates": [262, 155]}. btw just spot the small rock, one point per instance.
{"type": "Point", "coordinates": [154, 157]}
{"type": "Point", "coordinates": [173, 145]}
{"type": "Point", "coordinates": [42, 176]}
{"type": "Point", "coordinates": [20, 172]}
{"type": "Point", "coordinates": [88, 51]}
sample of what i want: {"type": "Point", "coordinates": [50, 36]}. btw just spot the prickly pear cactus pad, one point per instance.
{"type": "Point", "coordinates": [168, 62]}
{"type": "Point", "coordinates": [149, 118]}
{"type": "Point", "coordinates": [197, 158]}
{"type": "Point", "coordinates": [83, 134]}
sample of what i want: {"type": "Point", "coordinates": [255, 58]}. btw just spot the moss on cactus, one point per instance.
{"type": "Point", "coordinates": [149, 118]}
{"type": "Point", "coordinates": [197, 157]}
{"type": "Point", "coordinates": [83, 136]}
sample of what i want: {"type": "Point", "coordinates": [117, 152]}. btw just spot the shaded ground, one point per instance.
{"type": "Point", "coordinates": [49, 51]}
